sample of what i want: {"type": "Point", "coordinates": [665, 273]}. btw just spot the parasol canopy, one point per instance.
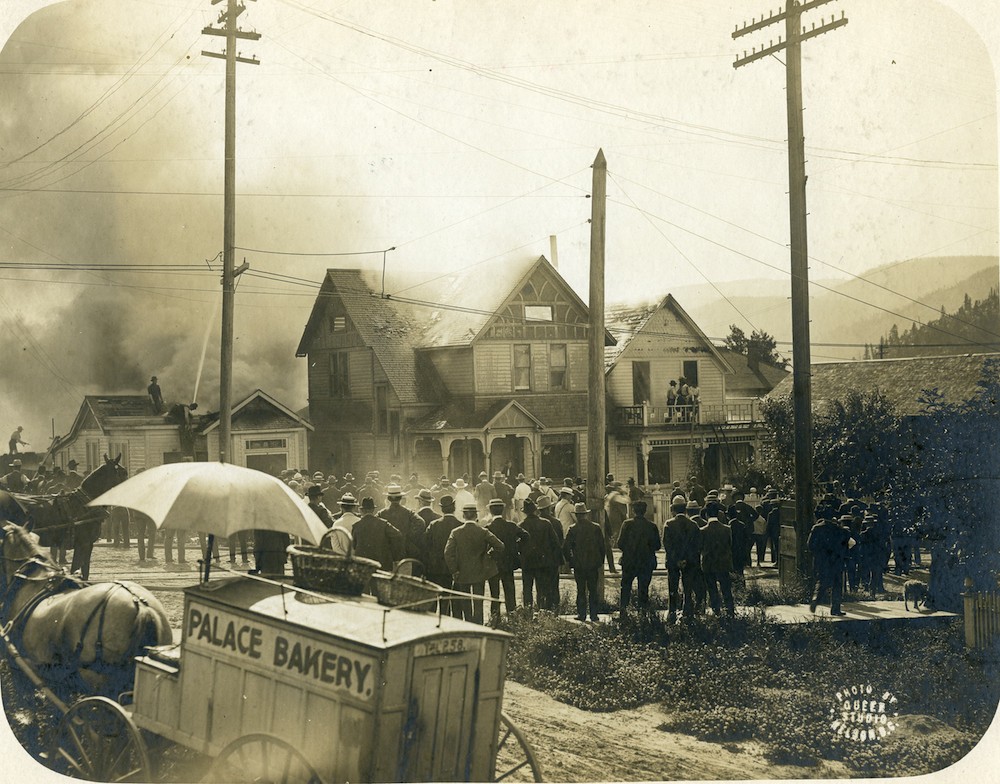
{"type": "Point", "coordinates": [215, 498]}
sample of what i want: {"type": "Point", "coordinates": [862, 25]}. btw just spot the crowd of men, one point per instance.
{"type": "Point", "coordinates": [467, 534]}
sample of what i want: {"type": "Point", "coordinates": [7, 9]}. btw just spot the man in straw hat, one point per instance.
{"type": "Point", "coordinates": [584, 551]}
{"type": "Point", "coordinates": [407, 522]}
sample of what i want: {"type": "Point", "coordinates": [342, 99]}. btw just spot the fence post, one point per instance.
{"type": "Point", "coordinates": [969, 614]}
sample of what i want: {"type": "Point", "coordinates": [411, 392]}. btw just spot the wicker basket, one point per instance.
{"type": "Point", "coordinates": [320, 570]}
{"type": "Point", "coordinates": [411, 592]}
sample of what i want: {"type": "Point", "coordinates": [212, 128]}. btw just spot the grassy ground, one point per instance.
{"type": "Point", "coordinates": [732, 680]}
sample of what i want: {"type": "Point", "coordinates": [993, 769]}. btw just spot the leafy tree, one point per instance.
{"type": "Point", "coordinates": [955, 501]}
{"type": "Point", "coordinates": [857, 441]}
{"type": "Point", "coordinates": [759, 346]}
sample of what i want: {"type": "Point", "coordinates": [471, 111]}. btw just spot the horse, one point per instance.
{"type": "Point", "coordinates": [79, 637]}
{"type": "Point", "coordinates": [65, 517]}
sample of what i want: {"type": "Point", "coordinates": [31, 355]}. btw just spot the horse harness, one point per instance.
{"type": "Point", "coordinates": [54, 584]}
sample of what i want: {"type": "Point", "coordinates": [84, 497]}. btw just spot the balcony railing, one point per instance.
{"type": "Point", "coordinates": [741, 411]}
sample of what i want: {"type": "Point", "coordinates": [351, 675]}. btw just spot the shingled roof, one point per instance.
{"type": "Point", "coordinates": [627, 321]}
{"type": "Point", "coordinates": [390, 328]}
{"type": "Point", "coordinates": [747, 381]}
{"type": "Point", "coordinates": [901, 380]}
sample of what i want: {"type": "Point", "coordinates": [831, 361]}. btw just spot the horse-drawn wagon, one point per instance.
{"type": "Point", "coordinates": [267, 679]}
{"type": "Point", "coordinates": [278, 684]}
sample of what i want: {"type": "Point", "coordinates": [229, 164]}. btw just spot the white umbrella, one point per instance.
{"type": "Point", "coordinates": [215, 498]}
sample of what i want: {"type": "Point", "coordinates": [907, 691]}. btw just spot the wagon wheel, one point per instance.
{"type": "Point", "coordinates": [262, 759]}
{"type": "Point", "coordinates": [98, 741]}
{"type": "Point", "coordinates": [514, 753]}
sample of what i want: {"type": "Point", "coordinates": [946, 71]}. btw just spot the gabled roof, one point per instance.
{"type": "Point", "coordinates": [901, 380]}
{"type": "Point", "coordinates": [747, 380]}
{"type": "Point", "coordinates": [472, 299]}
{"type": "Point", "coordinates": [389, 327]}
{"type": "Point", "coordinates": [107, 411]}
{"type": "Point", "coordinates": [453, 310]}
{"type": "Point", "coordinates": [627, 321]}
{"type": "Point", "coordinates": [260, 411]}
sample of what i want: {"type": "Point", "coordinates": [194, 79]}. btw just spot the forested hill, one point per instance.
{"type": "Point", "coordinates": [973, 329]}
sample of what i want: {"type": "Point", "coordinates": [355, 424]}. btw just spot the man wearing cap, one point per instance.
{"type": "Point", "coordinates": [540, 554]}
{"type": "Point", "coordinates": [682, 545]}
{"type": "Point", "coordinates": [584, 551]}
{"type": "Point", "coordinates": [638, 541]}
{"type": "Point", "coordinates": [828, 542]}
{"type": "Point", "coordinates": [376, 538]}
{"type": "Point", "coordinates": [469, 553]}
{"type": "Point", "coordinates": [512, 535]}
{"type": "Point", "coordinates": [435, 539]}
{"type": "Point", "coordinates": [315, 496]}
{"type": "Point", "coordinates": [14, 481]}
{"type": "Point", "coordinates": [615, 511]}
{"type": "Point", "coordinates": [484, 491]}
{"type": "Point", "coordinates": [408, 523]}
{"type": "Point", "coordinates": [695, 491]}
{"type": "Point", "coordinates": [717, 558]}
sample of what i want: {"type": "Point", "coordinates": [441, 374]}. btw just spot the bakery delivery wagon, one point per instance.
{"type": "Point", "coordinates": [288, 685]}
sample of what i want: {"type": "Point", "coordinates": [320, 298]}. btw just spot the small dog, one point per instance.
{"type": "Point", "coordinates": [915, 591]}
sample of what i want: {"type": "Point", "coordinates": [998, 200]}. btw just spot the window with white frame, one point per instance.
{"type": "Point", "coordinates": [522, 367]}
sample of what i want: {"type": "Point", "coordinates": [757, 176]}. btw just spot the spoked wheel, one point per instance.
{"type": "Point", "coordinates": [261, 759]}
{"type": "Point", "coordinates": [516, 760]}
{"type": "Point", "coordinates": [98, 741]}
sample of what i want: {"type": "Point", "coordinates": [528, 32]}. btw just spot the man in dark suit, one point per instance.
{"type": "Point", "coordinates": [435, 539]}
{"type": "Point", "coordinates": [584, 551]}
{"type": "Point", "coordinates": [717, 559]}
{"type": "Point", "coordinates": [409, 524]}
{"type": "Point", "coordinates": [638, 541]}
{"type": "Point", "coordinates": [682, 543]}
{"type": "Point", "coordinates": [827, 542]}
{"type": "Point", "coordinates": [469, 553]}
{"type": "Point", "coordinates": [511, 534]}
{"type": "Point", "coordinates": [376, 538]}
{"type": "Point", "coordinates": [424, 500]}
{"type": "Point", "coordinates": [539, 555]}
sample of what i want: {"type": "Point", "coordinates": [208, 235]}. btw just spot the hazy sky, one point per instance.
{"type": "Point", "coordinates": [459, 132]}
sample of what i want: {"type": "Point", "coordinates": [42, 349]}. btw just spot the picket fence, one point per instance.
{"type": "Point", "coordinates": [982, 618]}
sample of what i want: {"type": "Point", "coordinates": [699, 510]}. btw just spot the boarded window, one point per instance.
{"type": "Point", "coordinates": [522, 366]}
{"type": "Point", "coordinates": [339, 380]}
{"type": "Point", "coordinates": [557, 366]}
{"type": "Point", "coordinates": [338, 323]}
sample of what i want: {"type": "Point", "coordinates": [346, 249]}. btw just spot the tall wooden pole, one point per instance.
{"type": "Point", "coordinates": [795, 34]}
{"type": "Point", "coordinates": [801, 349]}
{"type": "Point", "coordinates": [228, 242]}
{"type": "Point", "coordinates": [595, 407]}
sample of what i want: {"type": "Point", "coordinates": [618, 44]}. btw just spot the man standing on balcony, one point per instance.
{"type": "Point", "coordinates": [671, 400]}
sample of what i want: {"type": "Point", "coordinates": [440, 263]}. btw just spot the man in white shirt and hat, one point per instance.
{"type": "Point", "coordinates": [564, 510]}
{"type": "Point", "coordinates": [521, 492]}
{"type": "Point", "coordinates": [348, 508]}
{"type": "Point", "coordinates": [462, 495]}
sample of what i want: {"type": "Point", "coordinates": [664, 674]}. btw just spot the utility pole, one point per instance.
{"type": "Point", "coordinates": [596, 424]}
{"type": "Point", "coordinates": [795, 34]}
{"type": "Point", "coordinates": [231, 33]}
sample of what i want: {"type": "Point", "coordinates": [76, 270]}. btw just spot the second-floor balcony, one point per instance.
{"type": "Point", "coordinates": [739, 411]}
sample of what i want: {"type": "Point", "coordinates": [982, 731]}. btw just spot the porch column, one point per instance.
{"type": "Point", "coordinates": [646, 449]}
